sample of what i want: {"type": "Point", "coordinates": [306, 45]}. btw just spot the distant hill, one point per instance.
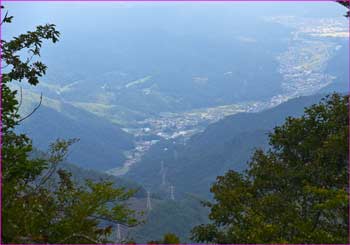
{"type": "Point", "coordinates": [227, 144]}
{"type": "Point", "coordinates": [338, 66]}
{"type": "Point", "coordinates": [101, 144]}
{"type": "Point", "coordinates": [168, 216]}
{"type": "Point", "coordinates": [79, 175]}
{"type": "Point", "coordinates": [174, 216]}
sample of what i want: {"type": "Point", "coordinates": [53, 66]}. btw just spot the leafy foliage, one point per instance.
{"type": "Point", "coordinates": [346, 4]}
{"type": "Point", "coordinates": [38, 208]}
{"type": "Point", "coordinates": [294, 193]}
{"type": "Point", "coordinates": [168, 238]}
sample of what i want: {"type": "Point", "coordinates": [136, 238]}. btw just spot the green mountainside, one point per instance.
{"type": "Point", "coordinates": [101, 146]}
{"type": "Point", "coordinates": [227, 144]}
{"type": "Point", "coordinates": [166, 216]}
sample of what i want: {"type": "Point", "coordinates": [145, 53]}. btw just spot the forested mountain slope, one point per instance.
{"type": "Point", "coordinates": [101, 144]}
{"type": "Point", "coordinates": [166, 215]}
{"type": "Point", "coordinates": [227, 144]}
{"type": "Point", "coordinates": [170, 216]}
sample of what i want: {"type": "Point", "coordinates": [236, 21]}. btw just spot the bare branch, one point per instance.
{"type": "Point", "coordinates": [5, 17]}
{"type": "Point", "coordinates": [36, 108]}
{"type": "Point", "coordinates": [48, 175]}
{"type": "Point", "coordinates": [55, 160]}
{"type": "Point", "coordinates": [29, 59]}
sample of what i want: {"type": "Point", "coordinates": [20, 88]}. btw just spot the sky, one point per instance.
{"type": "Point", "coordinates": [125, 29]}
{"type": "Point", "coordinates": [91, 14]}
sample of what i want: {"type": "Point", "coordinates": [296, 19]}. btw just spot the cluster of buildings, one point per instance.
{"type": "Point", "coordinates": [173, 125]}
{"type": "Point", "coordinates": [329, 27]}
{"type": "Point", "coordinates": [302, 67]}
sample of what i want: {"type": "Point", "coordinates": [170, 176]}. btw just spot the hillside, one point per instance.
{"type": "Point", "coordinates": [227, 144]}
{"type": "Point", "coordinates": [168, 216]}
{"type": "Point", "coordinates": [101, 146]}
{"type": "Point", "coordinates": [79, 175]}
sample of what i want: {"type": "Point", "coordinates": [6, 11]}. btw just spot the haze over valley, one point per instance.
{"type": "Point", "coordinates": [168, 96]}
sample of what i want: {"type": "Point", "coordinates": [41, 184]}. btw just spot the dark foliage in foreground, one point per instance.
{"type": "Point", "coordinates": [294, 193]}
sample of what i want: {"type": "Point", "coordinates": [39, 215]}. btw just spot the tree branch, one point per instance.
{"type": "Point", "coordinates": [36, 108]}
{"type": "Point", "coordinates": [3, 20]}
{"type": "Point", "coordinates": [48, 175]}
{"type": "Point", "coordinates": [78, 236]}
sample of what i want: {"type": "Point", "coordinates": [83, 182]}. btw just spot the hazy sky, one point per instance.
{"type": "Point", "coordinates": [92, 14]}
{"type": "Point", "coordinates": [107, 32]}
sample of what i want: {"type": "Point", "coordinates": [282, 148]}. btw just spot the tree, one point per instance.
{"type": "Point", "coordinates": [169, 238]}
{"type": "Point", "coordinates": [297, 192]}
{"type": "Point", "coordinates": [346, 4]}
{"type": "Point", "coordinates": [41, 204]}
